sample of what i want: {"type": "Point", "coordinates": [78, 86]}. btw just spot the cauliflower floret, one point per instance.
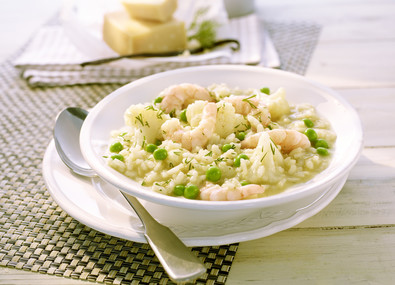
{"type": "Point", "coordinates": [228, 121]}
{"type": "Point", "coordinates": [277, 104]}
{"type": "Point", "coordinates": [148, 119]}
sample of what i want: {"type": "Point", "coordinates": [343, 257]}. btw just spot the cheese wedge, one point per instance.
{"type": "Point", "coordinates": [126, 35]}
{"type": "Point", "coordinates": [155, 10]}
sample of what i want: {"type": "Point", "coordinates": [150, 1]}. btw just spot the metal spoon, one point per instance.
{"type": "Point", "coordinates": [178, 261]}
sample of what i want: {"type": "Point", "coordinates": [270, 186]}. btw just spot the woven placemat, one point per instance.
{"type": "Point", "coordinates": [295, 43]}
{"type": "Point", "coordinates": [36, 234]}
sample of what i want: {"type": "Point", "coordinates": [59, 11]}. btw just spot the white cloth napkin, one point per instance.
{"type": "Point", "coordinates": [52, 59]}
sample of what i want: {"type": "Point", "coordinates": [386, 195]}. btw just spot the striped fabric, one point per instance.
{"type": "Point", "coordinates": [51, 58]}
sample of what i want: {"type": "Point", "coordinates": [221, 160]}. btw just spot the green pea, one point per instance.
{"type": "Point", "coordinates": [244, 183]}
{"type": "Point", "coordinates": [322, 151]}
{"type": "Point", "coordinates": [118, 156]}
{"type": "Point", "coordinates": [311, 134]}
{"type": "Point", "coordinates": [160, 154]}
{"type": "Point", "coordinates": [308, 123]}
{"type": "Point", "coordinates": [213, 174]}
{"type": "Point", "coordinates": [241, 135]}
{"type": "Point", "coordinates": [116, 147]}
{"type": "Point", "coordinates": [238, 159]}
{"type": "Point", "coordinates": [321, 143]}
{"type": "Point", "coordinates": [243, 156]}
{"type": "Point", "coordinates": [158, 100]}
{"type": "Point", "coordinates": [151, 147]}
{"type": "Point", "coordinates": [226, 147]}
{"type": "Point", "coordinates": [237, 162]}
{"type": "Point", "coordinates": [183, 116]}
{"type": "Point", "coordinates": [191, 192]}
{"type": "Point", "coordinates": [158, 142]}
{"type": "Point", "coordinates": [265, 90]}
{"type": "Point", "coordinates": [179, 190]}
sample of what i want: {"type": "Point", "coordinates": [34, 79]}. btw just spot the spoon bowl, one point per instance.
{"type": "Point", "coordinates": [66, 136]}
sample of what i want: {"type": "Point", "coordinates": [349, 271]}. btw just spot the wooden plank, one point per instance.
{"type": "Point", "coordinates": [376, 109]}
{"type": "Point", "coordinates": [375, 164]}
{"type": "Point", "coordinates": [356, 44]}
{"type": "Point", "coordinates": [320, 256]}
{"type": "Point", "coordinates": [368, 197]}
{"type": "Point", "coordinates": [354, 64]}
{"type": "Point", "coordinates": [341, 20]}
{"type": "Point", "coordinates": [360, 203]}
{"type": "Point", "coordinates": [369, 27]}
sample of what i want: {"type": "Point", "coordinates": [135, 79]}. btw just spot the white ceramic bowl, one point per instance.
{"type": "Point", "coordinates": [245, 215]}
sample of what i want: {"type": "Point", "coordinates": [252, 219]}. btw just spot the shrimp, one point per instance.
{"type": "Point", "coordinates": [251, 141]}
{"type": "Point", "coordinates": [287, 139]}
{"type": "Point", "coordinates": [214, 192]}
{"type": "Point", "coordinates": [245, 105]}
{"type": "Point", "coordinates": [198, 136]}
{"type": "Point", "coordinates": [178, 97]}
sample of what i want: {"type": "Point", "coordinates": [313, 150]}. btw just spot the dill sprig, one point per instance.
{"type": "Point", "coordinates": [202, 30]}
{"type": "Point", "coordinates": [273, 148]}
{"type": "Point", "coordinates": [140, 119]}
{"type": "Point", "coordinates": [249, 102]}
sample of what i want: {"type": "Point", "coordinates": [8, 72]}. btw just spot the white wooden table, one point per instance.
{"type": "Point", "coordinates": [352, 241]}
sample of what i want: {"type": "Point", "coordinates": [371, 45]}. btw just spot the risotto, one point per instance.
{"type": "Point", "coordinates": [221, 143]}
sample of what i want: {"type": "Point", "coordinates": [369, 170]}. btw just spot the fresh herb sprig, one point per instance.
{"type": "Point", "coordinates": [203, 30]}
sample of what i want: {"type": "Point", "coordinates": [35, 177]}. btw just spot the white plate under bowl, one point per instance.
{"type": "Point", "coordinates": [100, 206]}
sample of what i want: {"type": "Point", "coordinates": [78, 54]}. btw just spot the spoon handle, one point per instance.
{"type": "Point", "coordinates": [176, 258]}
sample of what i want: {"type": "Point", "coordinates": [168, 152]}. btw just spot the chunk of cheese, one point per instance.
{"type": "Point", "coordinates": [155, 10]}
{"type": "Point", "coordinates": [126, 35]}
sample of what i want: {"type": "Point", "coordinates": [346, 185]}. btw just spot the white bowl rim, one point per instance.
{"type": "Point", "coordinates": [298, 192]}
